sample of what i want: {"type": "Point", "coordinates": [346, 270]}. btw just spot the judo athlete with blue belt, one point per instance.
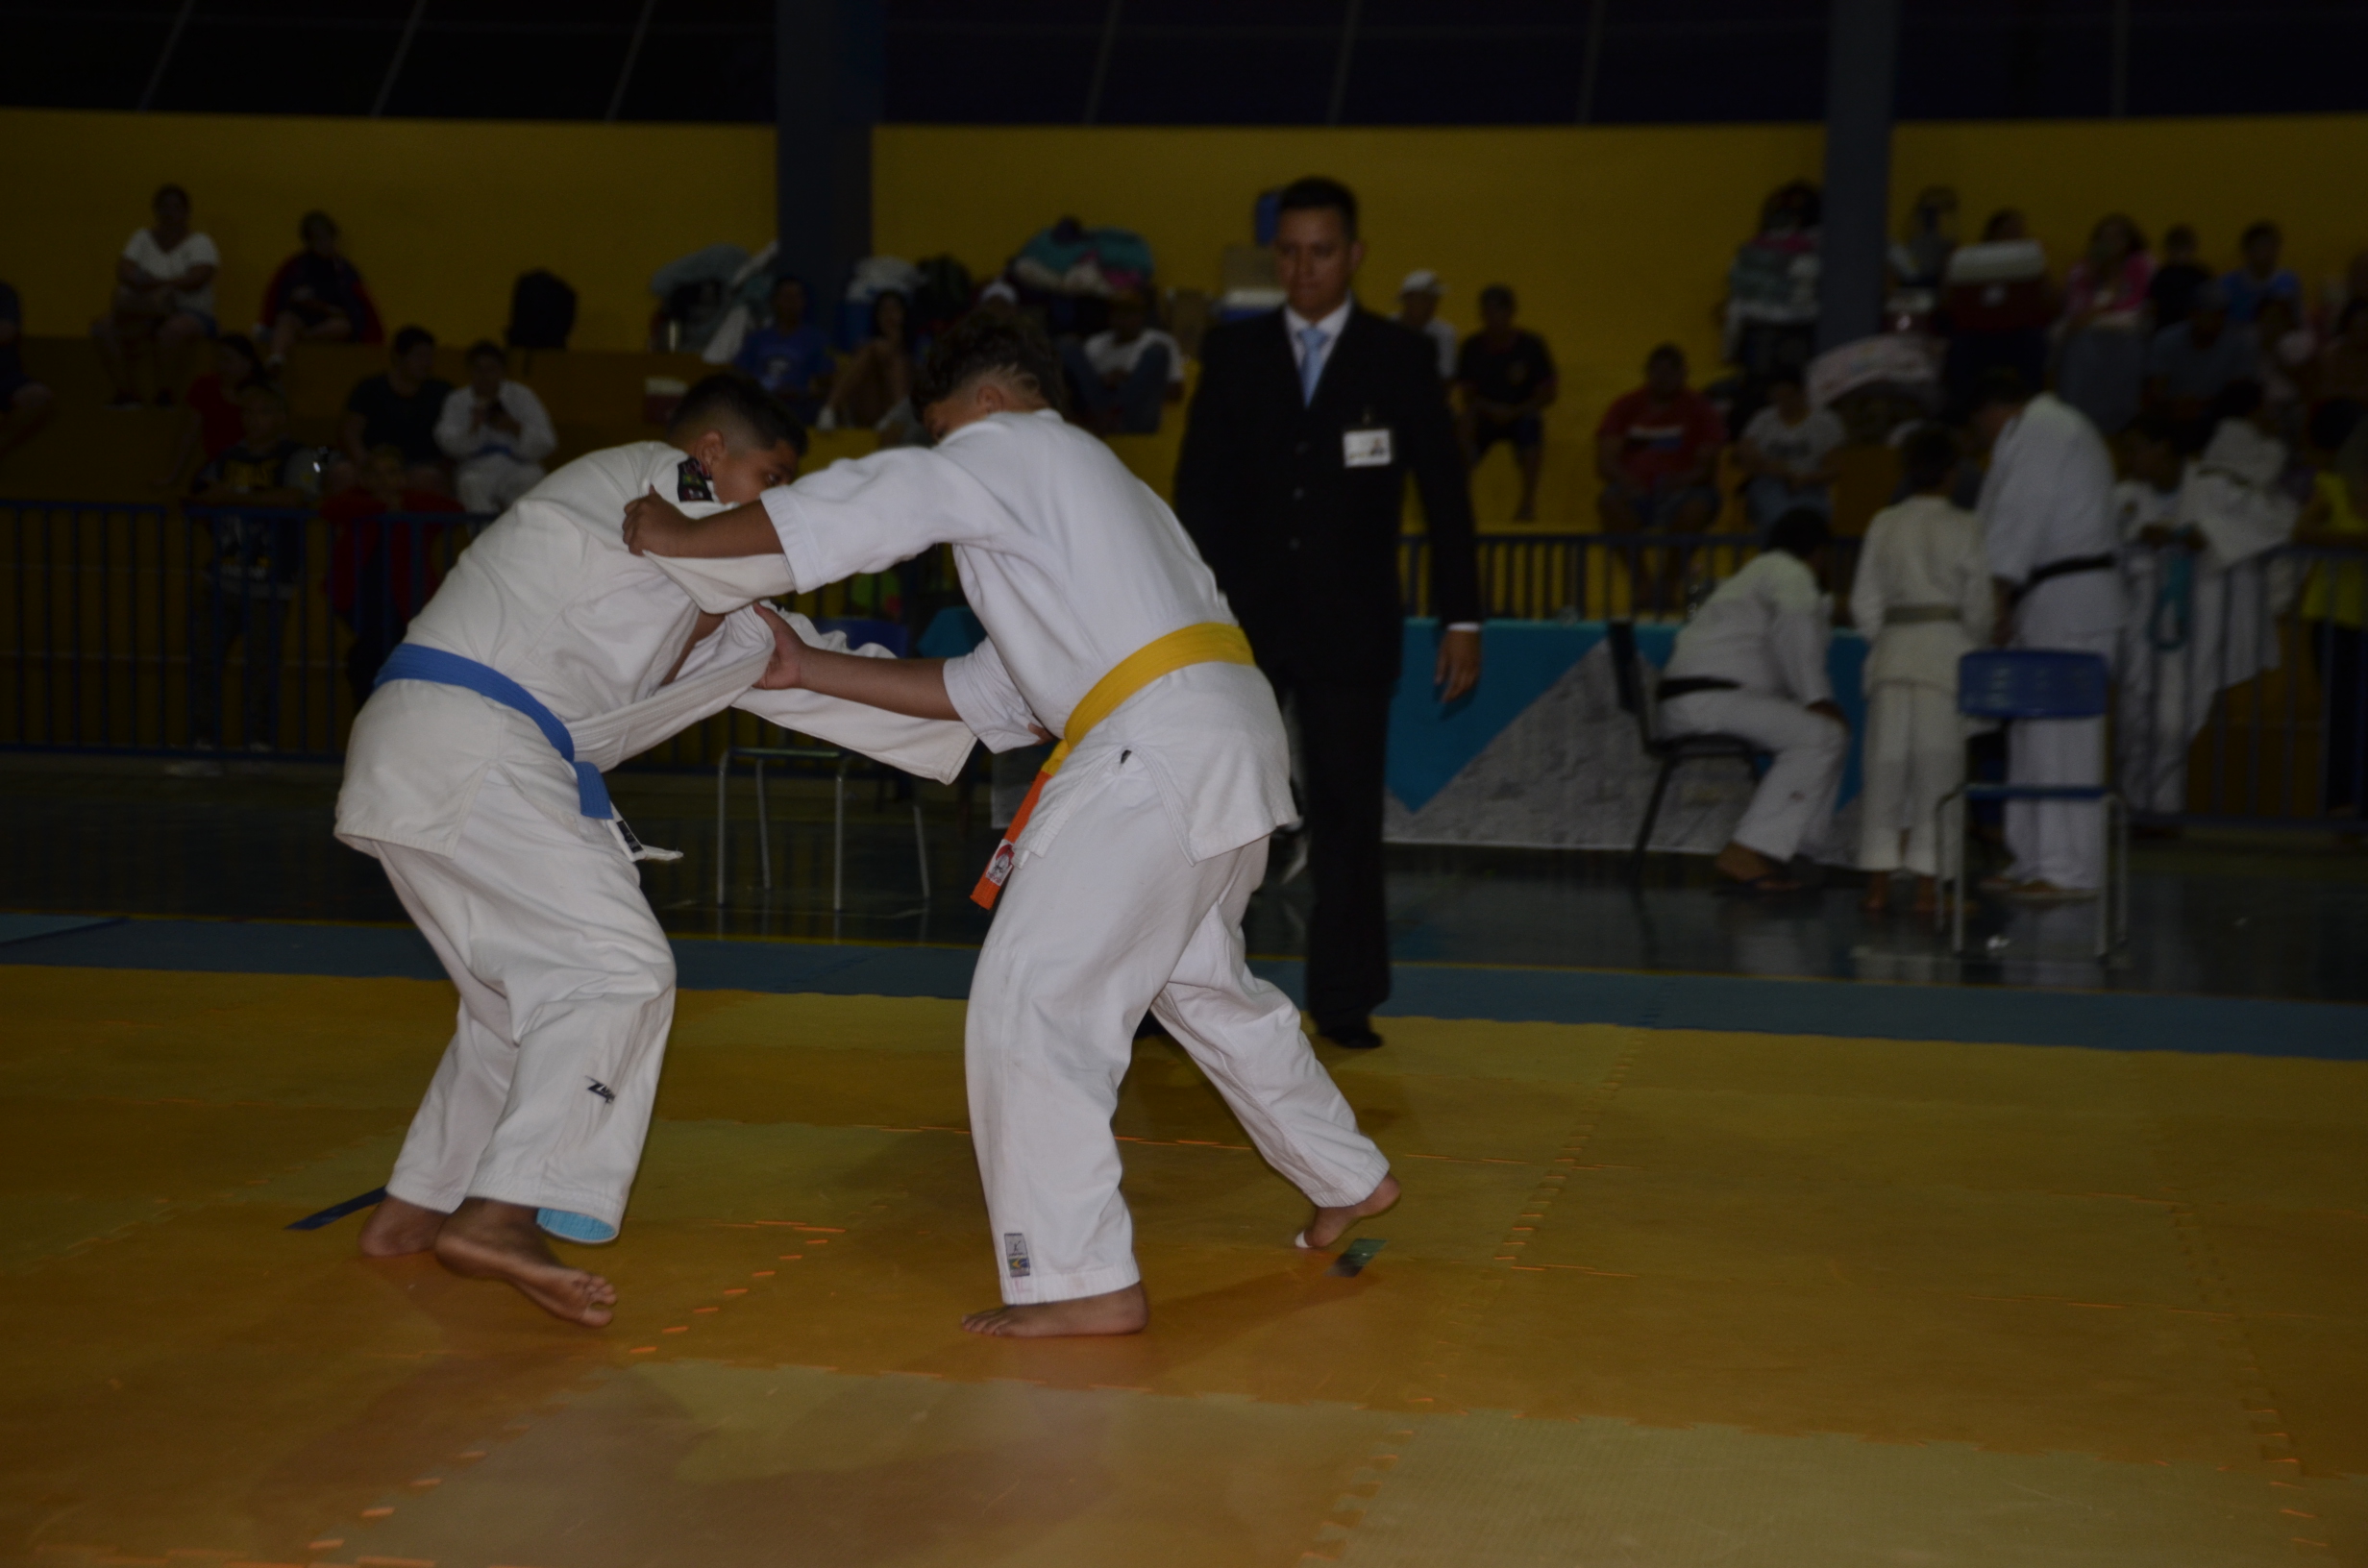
{"type": "Point", "coordinates": [549, 655]}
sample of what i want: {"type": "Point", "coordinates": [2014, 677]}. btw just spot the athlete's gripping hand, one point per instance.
{"type": "Point", "coordinates": [655, 525]}
{"type": "Point", "coordinates": [786, 671]}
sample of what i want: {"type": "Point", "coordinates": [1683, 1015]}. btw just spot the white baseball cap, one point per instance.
{"type": "Point", "coordinates": [1423, 281]}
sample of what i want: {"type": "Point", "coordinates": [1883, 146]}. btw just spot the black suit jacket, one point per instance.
{"type": "Point", "coordinates": [1305, 546]}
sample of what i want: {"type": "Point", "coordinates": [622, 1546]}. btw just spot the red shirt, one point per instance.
{"type": "Point", "coordinates": [354, 542]}
{"type": "Point", "coordinates": [1658, 442]}
{"type": "Point", "coordinates": [220, 423]}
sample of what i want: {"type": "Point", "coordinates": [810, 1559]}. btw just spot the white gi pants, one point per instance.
{"type": "Point", "coordinates": [2059, 842]}
{"type": "Point", "coordinates": [1915, 755]}
{"type": "Point", "coordinates": [490, 482]}
{"type": "Point", "coordinates": [1113, 920]}
{"type": "Point", "coordinates": [1797, 796]}
{"type": "Point", "coordinates": [567, 992]}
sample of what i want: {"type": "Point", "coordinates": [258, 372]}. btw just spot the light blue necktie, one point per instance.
{"type": "Point", "coordinates": [1312, 341]}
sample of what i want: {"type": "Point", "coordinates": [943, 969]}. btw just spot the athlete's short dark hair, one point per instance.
{"type": "Point", "coordinates": [982, 344]}
{"type": "Point", "coordinates": [1801, 531]}
{"type": "Point", "coordinates": [1929, 458]}
{"type": "Point", "coordinates": [728, 398]}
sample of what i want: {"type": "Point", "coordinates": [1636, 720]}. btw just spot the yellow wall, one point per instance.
{"type": "Point", "coordinates": [1615, 238]}
{"type": "Point", "coordinates": [441, 216]}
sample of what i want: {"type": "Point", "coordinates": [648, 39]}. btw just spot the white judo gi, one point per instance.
{"type": "Point", "coordinates": [493, 467]}
{"type": "Point", "coordinates": [1923, 599]}
{"type": "Point", "coordinates": [1766, 631]}
{"type": "Point", "coordinates": [1143, 851]}
{"type": "Point", "coordinates": [566, 981]}
{"type": "Point", "coordinates": [2047, 500]}
{"type": "Point", "coordinates": [2181, 650]}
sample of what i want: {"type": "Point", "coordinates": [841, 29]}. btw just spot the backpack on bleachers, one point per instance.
{"type": "Point", "coordinates": [542, 311]}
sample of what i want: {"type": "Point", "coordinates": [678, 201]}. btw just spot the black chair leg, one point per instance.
{"type": "Point", "coordinates": [1652, 814]}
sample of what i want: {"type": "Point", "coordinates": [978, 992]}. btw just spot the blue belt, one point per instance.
{"type": "Point", "coordinates": [409, 661]}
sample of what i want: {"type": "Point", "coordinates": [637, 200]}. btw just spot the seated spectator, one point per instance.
{"type": "Point", "coordinates": [214, 421]}
{"type": "Point", "coordinates": [1923, 599]}
{"type": "Point", "coordinates": [316, 296]}
{"type": "Point", "coordinates": [164, 301]}
{"type": "Point", "coordinates": [1118, 379]}
{"type": "Point", "coordinates": [1788, 449]}
{"type": "Point", "coordinates": [2334, 608]}
{"type": "Point", "coordinates": [2288, 358]}
{"type": "Point", "coordinates": [244, 592]}
{"type": "Point", "coordinates": [1417, 311]}
{"type": "Point", "coordinates": [2101, 336]}
{"type": "Point", "coordinates": [380, 574]}
{"type": "Point", "coordinates": [398, 408]}
{"type": "Point", "coordinates": [1752, 663]}
{"type": "Point", "coordinates": [2342, 370]}
{"type": "Point", "coordinates": [1919, 258]}
{"type": "Point", "coordinates": [878, 383]}
{"type": "Point", "coordinates": [1653, 451]}
{"type": "Point", "coordinates": [25, 404]}
{"type": "Point", "coordinates": [1506, 380]}
{"type": "Point", "coordinates": [790, 357]}
{"type": "Point", "coordinates": [2260, 276]}
{"type": "Point", "coordinates": [1999, 304]}
{"type": "Point", "coordinates": [496, 432]}
{"type": "Point", "coordinates": [2172, 293]}
{"type": "Point", "coordinates": [2187, 365]}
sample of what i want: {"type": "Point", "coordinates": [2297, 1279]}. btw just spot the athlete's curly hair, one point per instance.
{"type": "Point", "coordinates": [984, 342]}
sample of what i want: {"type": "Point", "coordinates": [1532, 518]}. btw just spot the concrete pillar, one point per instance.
{"type": "Point", "coordinates": [1861, 64]}
{"type": "Point", "coordinates": [830, 64]}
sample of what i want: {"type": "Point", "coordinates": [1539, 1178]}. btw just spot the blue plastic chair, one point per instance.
{"type": "Point", "coordinates": [2008, 684]}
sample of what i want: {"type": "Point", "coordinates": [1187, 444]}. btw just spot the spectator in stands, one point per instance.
{"type": "Point", "coordinates": [2288, 358]}
{"type": "Point", "coordinates": [2101, 336]}
{"type": "Point", "coordinates": [790, 357]}
{"type": "Point", "coordinates": [398, 408]}
{"type": "Point", "coordinates": [1787, 450]}
{"type": "Point", "coordinates": [1507, 382]}
{"type": "Point", "coordinates": [380, 574]}
{"type": "Point", "coordinates": [164, 301]}
{"type": "Point", "coordinates": [2334, 608]}
{"type": "Point", "coordinates": [1999, 304]}
{"type": "Point", "coordinates": [1120, 379]}
{"type": "Point", "coordinates": [214, 421]}
{"type": "Point", "coordinates": [1653, 451]}
{"type": "Point", "coordinates": [2172, 293]}
{"type": "Point", "coordinates": [1417, 311]}
{"type": "Point", "coordinates": [2260, 276]}
{"type": "Point", "coordinates": [2342, 370]}
{"type": "Point", "coordinates": [1752, 663]}
{"type": "Point", "coordinates": [878, 383]}
{"type": "Point", "coordinates": [25, 404]}
{"type": "Point", "coordinates": [496, 432]}
{"type": "Point", "coordinates": [316, 296]}
{"type": "Point", "coordinates": [2187, 365]}
{"type": "Point", "coordinates": [244, 592]}
{"type": "Point", "coordinates": [1920, 258]}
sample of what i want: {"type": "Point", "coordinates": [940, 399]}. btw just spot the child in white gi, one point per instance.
{"type": "Point", "coordinates": [1127, 884]}
{"type": "Point", "coordinates": [549, 655]}
{"type": "Point", "coordinates": [1923, 597]}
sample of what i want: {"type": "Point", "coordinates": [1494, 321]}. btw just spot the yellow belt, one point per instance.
{"type": "Point", "coordinates": [1210, 642]}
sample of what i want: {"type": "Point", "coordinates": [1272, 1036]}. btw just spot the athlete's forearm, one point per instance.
{"type": "Point", "coordinates": [656, 527]}
{"type": "Point", "coordinates": [913, 687]}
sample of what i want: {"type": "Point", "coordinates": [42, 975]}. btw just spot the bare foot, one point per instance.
{"type": "Point", "coordinates": [397, 1229]}
{"type": "Point", "coordinates": [1743, 863]}
{"type": "Point", "coordinates": [1113, 1311]}
{"type": "Point", "coordinates": [489, 1241]}
{"type": "Point", "coordinates": [1329, 1224]}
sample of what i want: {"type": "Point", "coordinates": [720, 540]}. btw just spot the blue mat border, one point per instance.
{"type": "Point", "coordinates": [1878, 1010]}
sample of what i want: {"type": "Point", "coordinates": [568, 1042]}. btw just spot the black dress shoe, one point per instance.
{"type": "Point", "coordinates": [1355, 1035]}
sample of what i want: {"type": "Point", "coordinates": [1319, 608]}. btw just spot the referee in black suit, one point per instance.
{"type": "Point", "coordinates": [1293, 482]}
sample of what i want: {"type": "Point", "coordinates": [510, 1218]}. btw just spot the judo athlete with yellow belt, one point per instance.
{"type": "Point", "coordinates": [1122, 890]}
{"type": "Point", "coordinates": [549, 655]}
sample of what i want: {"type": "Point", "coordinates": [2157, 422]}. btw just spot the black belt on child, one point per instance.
{"type": "Point", "coordinates": [2070, 566]}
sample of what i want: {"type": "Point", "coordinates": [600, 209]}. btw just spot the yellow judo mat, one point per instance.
{"type": "Point", "coordinates": [1653, 1297]}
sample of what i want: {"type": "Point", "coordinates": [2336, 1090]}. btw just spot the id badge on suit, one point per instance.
{"type": "Point", "coordinates": [1367, 448]}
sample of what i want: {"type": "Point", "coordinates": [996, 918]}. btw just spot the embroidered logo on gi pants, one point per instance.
{"type": "Point", "coordinates": [1015, 1254]}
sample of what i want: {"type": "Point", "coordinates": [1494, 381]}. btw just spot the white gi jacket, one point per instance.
{"type": "Point", "coordinates": [1921, 556]}
{"type": "Point", "coordinates": [1072, 564]}
{"type": "Point", "coordinates": [549, 596]}
{"type": "Point", "coordinates": [534, 442]}
{"type": "Point", "coordinates": [2049, 497]}
{"type": "Point", "coordinates": [1765, 629]}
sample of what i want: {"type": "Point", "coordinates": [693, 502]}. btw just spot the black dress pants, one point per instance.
{"type": "Point", "coordinates": [1345, 740]}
